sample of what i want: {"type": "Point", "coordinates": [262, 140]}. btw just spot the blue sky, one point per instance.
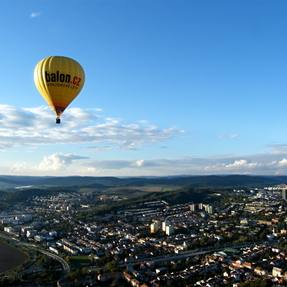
{"type": "Point", "coordinates": [172, 87]}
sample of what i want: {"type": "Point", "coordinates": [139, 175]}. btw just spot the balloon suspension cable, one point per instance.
{"type": "Point", "coordinates": [58, 120]}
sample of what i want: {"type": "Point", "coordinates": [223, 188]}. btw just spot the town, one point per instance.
{"type": "Point", "coordinates": [238, 237]}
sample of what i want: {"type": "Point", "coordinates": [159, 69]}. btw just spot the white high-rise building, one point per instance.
{"type": "Point", "coordinates": [154, 227]}
{"type": "Point", "coordinates": [169, 230]}
{"type": "Point", "coordinates": [209, 209]}
{"type": "Point", "coordinates": [284, 194]}
{"type": "Point", "coordinates": [192, 207]}
{"type": "Point", "coordinates": [163, 226]}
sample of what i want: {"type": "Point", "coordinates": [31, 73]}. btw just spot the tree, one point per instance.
{"type": "Point", "coordinates": [111, 266]}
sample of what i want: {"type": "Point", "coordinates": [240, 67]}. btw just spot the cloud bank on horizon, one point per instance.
{"type": "Point", "coordinates": [31, 128]}
{"type": "Point", "coordinates": [73, 164]}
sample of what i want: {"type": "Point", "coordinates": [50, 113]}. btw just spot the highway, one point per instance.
{"type": "Point", "coordinates": [186, 254]}
{"type": "Point", "coordinates": [64, 264]}
{"type": "Point", "coordinates": [167, 257]}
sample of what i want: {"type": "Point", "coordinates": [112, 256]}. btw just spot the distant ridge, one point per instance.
{"type": "Point", "coordinates": [7, 181]}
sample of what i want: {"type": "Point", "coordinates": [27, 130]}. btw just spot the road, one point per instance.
{"type": "Point", "coordinates": [64, 264]}
{"type": "Point", "coordinates": [186, 254]}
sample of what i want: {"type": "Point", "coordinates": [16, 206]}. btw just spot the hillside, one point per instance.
{"type": "Point", "coordinates": [194, 181]}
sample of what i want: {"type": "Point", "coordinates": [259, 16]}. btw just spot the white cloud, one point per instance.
{"type": "Point", "coordinates": [54, 164]}
{"type": "Point", "coordinates": [36, 126]}
{"type": "Point", "coordinates": [282, 162]}
{"type": "Point", "coordinates": [58, 161]}
{"type": "Point", "coordinates": [237, 163]}
{"type": "Point", "coordinates": [72, 164]}
{"type": "Point", "coordinates": [35, 14]}
{"type": "Point", "coordinates": [19, 167]}
{"type": "Point", "coordinates": [188, 166]}
{"type": "Point", "coordinates": [241, 163]}
{"type": "Point", "coordinates": [139, 163]}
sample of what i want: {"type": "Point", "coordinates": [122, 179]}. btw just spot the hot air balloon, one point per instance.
{"type": "Point", "coordinates": [59, 80]}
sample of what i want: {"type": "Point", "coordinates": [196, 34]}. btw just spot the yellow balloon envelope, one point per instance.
{"type": "Point", "coordinates": [59, 80]}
